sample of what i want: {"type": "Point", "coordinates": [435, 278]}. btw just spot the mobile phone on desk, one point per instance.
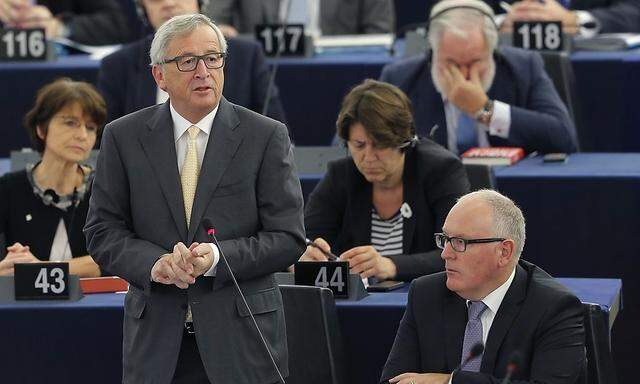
{"type": "Point", "coordinates": [385, 286]}
{"type": "Point", "coordinates": [555, 158]}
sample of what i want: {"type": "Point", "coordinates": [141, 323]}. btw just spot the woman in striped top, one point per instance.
{"type": "Point", "coordinates": [380, 207]}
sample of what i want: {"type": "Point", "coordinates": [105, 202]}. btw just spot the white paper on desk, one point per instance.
{"type": "Point", "coordinates": [348, 41]}
{"type": "Point", "coordinates": [95, 52]}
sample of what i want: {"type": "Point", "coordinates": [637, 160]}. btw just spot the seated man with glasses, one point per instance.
{"type": "Point", "coordinates": [488, 309]}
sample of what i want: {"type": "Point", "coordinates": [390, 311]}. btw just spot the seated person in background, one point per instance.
{"type": "Point", "coordinates": [43, 208]}
{"type": "Point", "coordinates": [127, 85]}
{"type": "Point", "coordinates": [474, 94]}
{"type": "Point", "coordinates": [321, 17]}
{"type": "Point", "coordinates": [379, 208]}
{"type": "Point", "coordinates": [584, 17]}
{"type": "Point", "coordinates": [487, 296]}
{"type": "Point", "coordinates": [91, 22]}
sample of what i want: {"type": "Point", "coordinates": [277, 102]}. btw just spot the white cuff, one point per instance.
{"type": "Point", "coordinates": [585, 18]}
{"type": "Point", "coordinates": [216, 258]}
{"type": "Point", "coordinates": [500, 123]}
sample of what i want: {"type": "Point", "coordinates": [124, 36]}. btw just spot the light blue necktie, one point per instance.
{"type": "Point", "coordinates": [466, 133]}
{"type": "Point", "coordinates": [472, 336]}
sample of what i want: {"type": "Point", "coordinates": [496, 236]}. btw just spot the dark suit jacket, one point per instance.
{"type": "Point", "coordinates": [127, 85]}
{"type": "Point", "coordinates": [339, 208]}
{"type": "Point", "coordinates": [613, 15]}
{"type": "Point", "coordinates": [249, 188]}
{"type": "Point", "coordinates": [539, 118]}
{"type": "Point", "coordinates": [95, 22]}
{"type": "Point", "coordinates": [17, 200]}
{"type": "Point", "coordinates": [538, 317]}
{"type": "Point", "coordinates": [337, 17]}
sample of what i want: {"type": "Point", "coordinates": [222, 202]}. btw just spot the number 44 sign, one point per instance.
{"type": "Point", "coordinates": [22, 44]}
{"type": "Point", "coordinates": [42, 281]}
{"type": "Point", "coordinates": [326, 274]}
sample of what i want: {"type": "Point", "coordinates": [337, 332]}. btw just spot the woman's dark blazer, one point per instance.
{"type": "Point", "coordinates": [339, 208]}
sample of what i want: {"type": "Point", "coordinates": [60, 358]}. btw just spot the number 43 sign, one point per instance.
{"type": "Point", "coordinates": [42, 281]}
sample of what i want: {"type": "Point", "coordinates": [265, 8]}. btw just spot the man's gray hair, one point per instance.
{"type": "Point", "coordinates": [508, 220]}
{"type": "Point", "coordinates": [179, 26]}
{"type": "Point", "coordinates": [460, 17]}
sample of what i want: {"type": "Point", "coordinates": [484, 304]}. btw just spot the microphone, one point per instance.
{"type": "Point", "coordinates": [475, 351]}
{"type": "Point", "coordinates": [211, 232]}
{"type": "Point", "coordinates": [515, 361]}
{"type": "Point", "coordinates": [433, 130]}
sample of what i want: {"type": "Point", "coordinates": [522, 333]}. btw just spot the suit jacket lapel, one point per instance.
{"type": "Point", "coordinates": [507, 313]}
{"type": "Point", "coordinates": [455, 321]}
{"type": "Point", "coordinates": [146, 91]}
{"type": "Point", "coordinates": [410, 194]}
{"type": "Point", "coordinates": [223, 143]}
{"type": "Point", "coordinates": [430, 102]}
{"type": "Point", "coordinates": [159, 146]}
{"type": "Point", "coordinates": [361, 202]}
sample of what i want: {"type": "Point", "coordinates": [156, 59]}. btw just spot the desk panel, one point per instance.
{"type": "Point", "coordinates": [83, 340]}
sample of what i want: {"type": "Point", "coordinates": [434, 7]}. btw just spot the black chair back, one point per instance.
{"type": "Point", "coordinates": [316, 353]}
{"type": "Point", "coordinates": [600, 367]}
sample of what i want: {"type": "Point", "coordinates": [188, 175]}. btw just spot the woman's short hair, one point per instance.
{"type": "Point", "coordinates": [384, 111]}
{"type": "Point", "coordinates": [57, 95]}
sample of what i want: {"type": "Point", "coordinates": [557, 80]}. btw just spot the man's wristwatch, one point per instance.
{"type": "Point", "coordinates": [483, 116]}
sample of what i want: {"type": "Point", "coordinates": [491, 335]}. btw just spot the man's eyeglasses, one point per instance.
{"type": "Point", "coordinates": [458, 243]}
{"type": "Point", "coordinates": [188, 63]}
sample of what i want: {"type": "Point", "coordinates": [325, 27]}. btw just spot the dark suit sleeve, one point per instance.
{"type": "Point", "coordinates": [622, 16]}
{"type": "Point", "coordinates": [116, 248]}
{"type": "Point", "coordinates": [4, 214]}
{"type": "Point", "coordinates": [405, 353]}
{"type": "Point", "coordinates": [378, 16]}
{"type": "Point", "coordinates": [325, 207]}
{"type": "Point", "coordinates": [559, 352]}
{"type": "Point", "coordinates": [221, 11]}
{"type": "Point", "coordinates": [280, 240]}
{"type": "Point", "coordinates": [543, 124]}
{"type": "Point", "coordinates": [95, 22]}
{"type": "Point", "coordinates": [443, 185]}
{"type": "Point", "coordinates": [260, 85]}
{"type": "Point", "coordinates": [111, 85]}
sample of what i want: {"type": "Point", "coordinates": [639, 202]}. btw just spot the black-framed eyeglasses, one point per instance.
{"type": "Point", "coordinates": [459, 244]}
{"type": "Point", "coordinates": [188, 63]}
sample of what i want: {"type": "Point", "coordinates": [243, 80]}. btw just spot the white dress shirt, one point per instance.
{"type": "Point", "coordinates": [181, 137]}
{"type": "Point", "coordinates": [493, 302]}
{"type": "Point", "coordinates": [499, 125]}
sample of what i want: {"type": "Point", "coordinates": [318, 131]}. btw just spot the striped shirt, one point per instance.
{"type": "Point", "coordinates": [386, 235]}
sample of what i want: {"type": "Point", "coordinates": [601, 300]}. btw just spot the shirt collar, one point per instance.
{"type": "Point", "coordinates": [180, 124]}
{"type": "Point", "coordinates": [494, 299]}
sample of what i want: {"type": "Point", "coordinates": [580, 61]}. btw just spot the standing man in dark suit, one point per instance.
{"type": "Point", "coordinates": [487, 296]}
{"type": "Point", "coordinates": [127, 85]}
{"type": "Point", "coordinates": [478, 95]}
{"type": "Point", "coordinates": [161, 172]}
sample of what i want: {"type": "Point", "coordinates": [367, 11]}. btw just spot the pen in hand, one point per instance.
{"type": "Point", "coordinates": [329, 255]}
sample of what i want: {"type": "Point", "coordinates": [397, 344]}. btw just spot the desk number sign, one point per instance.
{"type": "Point", "coordinates": [22, 44]}
{"type": "Point", "coordinates": [538, 35]}
{"type": "Point", "coordinates": [326, 274]}
{"type": "Point", "coordinates": [42, 281]}
{"type": "Point", "coordinates": [288, 39]}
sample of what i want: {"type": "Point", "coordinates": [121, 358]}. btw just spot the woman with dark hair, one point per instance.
{"type": "Point", "coordinates": [43, 208]}
{"type": "Point", "coordinates": [379, 208]}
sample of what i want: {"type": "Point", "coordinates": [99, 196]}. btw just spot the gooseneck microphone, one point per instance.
{"type": "Point", "coordinates": [475, 351]}
{"type": "Point", "coordinates": [515, 361]}
{"type": "Point", "coordinates": [211, 232]}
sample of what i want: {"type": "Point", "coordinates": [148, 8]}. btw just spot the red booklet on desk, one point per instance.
{"type": "Point", "coordinates": [493, 155]}
{"type": "Point", "coordinates": [103, 284]}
